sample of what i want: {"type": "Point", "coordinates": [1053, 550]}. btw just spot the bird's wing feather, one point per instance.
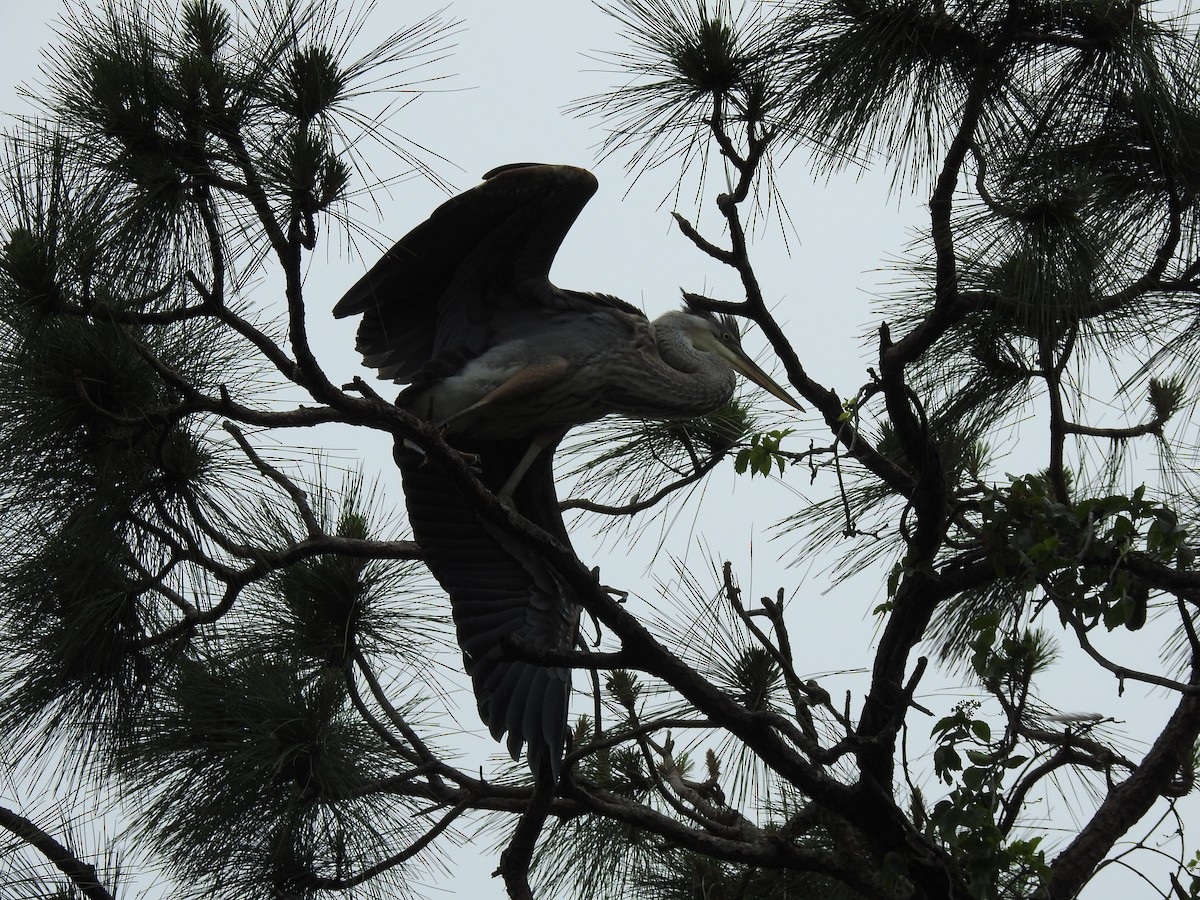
{"type": "Point", "coordinates": [498, 588]}
{"type": "Point", "coordinates": [481, 258]}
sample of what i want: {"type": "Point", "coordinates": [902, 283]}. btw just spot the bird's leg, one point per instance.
{"type": "Point", "coordinates": [619, 595]}
{"type": "Point", "coordinates": [530, 379]}
{"type": "Point", "coordinates": [407, 446]}
{"type": "Point", "coordinates": [539, 443]}
{"type": "Point", "coordinates": [471, 459]}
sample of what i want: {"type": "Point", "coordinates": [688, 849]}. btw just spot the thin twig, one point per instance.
{"type": "Point", "coordinates": [298, 495]}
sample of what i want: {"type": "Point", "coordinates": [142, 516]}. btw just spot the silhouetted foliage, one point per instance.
{"type": "Point", "coordinates": [240, 643]}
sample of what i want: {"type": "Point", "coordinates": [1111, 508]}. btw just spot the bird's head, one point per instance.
{"type": "Point", "coordinates": [721, 337]}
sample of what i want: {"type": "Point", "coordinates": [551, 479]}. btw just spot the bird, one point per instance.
{"type": "Point", "coordinates": [461, 310]}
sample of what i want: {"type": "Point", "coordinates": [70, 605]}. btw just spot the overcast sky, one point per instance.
{"type": "Point", "coordinates": [514, 69]}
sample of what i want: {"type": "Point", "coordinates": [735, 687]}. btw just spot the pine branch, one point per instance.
{"type": "Point", "coordinates": [83, 875]}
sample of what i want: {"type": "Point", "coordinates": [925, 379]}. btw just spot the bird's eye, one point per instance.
{"type": "Point", "coordinates": [727, 337]}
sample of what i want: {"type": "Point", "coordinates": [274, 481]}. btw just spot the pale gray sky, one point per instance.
{"type": "Point", "coordinates": [514, 68]}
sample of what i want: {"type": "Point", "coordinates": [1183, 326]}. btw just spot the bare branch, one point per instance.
{"type": "Point", "coordinates": [83, 875]}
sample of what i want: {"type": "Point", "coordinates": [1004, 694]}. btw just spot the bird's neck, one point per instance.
{"type": "Point", "coordinates": [699, 380]}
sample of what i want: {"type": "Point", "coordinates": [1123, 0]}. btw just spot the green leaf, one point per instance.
{"type": "Point", "coordinates": [945, 761]}
{"type": "Point", "coordinates": [973, 777]}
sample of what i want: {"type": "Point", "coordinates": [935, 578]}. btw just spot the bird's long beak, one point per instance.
{"type": "Point", "coordinates": [748, 368]}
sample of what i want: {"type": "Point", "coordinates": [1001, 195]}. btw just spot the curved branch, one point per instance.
{"type": "Point", "coordinates": [83, 875]}
{"type": "Point", "coordinates": [1015, 801]}
{"type": "Point", "coordinates": [1123, 673]}
{"type": "Point", "coordinates": [419, 746]}
{"type": "Point", "coordinates": [615, 738]}
{"type": "Point", "coordinates": [268, 561]}
{"type": "Point", "coordinates": [638, 506]}
{"type": "Point", "coordinates": [405, 751]}
{"type": "Point", "coordinates": [298, 496]}
{"type": "Point", "coordinates": [341, 884]}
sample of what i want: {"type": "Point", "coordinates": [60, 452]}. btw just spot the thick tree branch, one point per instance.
{"type": "Point", "coordinates": [913, 604]}
{"type": "Point", "coordinates": [83, 875]}
{"type": "Point", "coordinates": [1128, 801]}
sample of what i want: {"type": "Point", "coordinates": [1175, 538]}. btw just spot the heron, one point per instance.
{"type": "Point", "coordinates": [462, 311]}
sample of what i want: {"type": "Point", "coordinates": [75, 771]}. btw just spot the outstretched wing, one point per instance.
{"type": "Point", "coordinates": [479, 263]}
{"type": "Point", "coordinates": [498, 588]}
{"type": "Point", "coordinates": [475, 275]}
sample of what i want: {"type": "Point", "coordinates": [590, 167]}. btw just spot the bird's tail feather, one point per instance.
{"type": "Point", "coordinates": [498, 587]}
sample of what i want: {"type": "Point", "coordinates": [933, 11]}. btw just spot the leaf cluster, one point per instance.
{"type": "Point", "coordinates": [258, 774]}
{"type": "Point", "coordinates": [966, 820]}
{"type": "Point", "coordinates": [98, 462]}
{"type": "Point", "coordinates": [259, 102]}
{"type": "Point", "coordinates": [179, 610]}
{"type": "Point", "coordinates": [762, 454]}
{"type": "Point", "coordinates": [692, 65]}
{"type": "Point", "coordinates": [1073, 553]}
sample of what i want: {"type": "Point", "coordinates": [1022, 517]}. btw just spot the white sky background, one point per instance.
{"type": "Point", "coordinates": [514, 68]}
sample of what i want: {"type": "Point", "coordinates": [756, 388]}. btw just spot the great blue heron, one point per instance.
{"type": "Point", "coordinates": [462, 310]}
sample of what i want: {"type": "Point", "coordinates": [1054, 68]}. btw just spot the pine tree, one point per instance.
{"type": "Point", "coordinates": [238, 642]}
